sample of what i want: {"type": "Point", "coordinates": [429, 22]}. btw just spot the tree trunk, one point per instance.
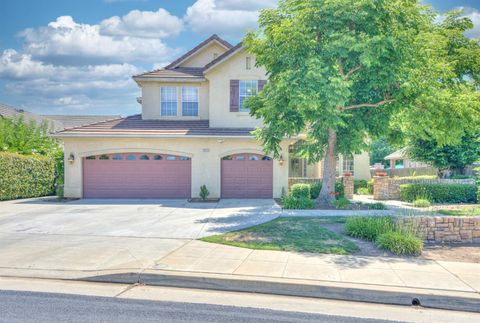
{"type": "Point", "coordinates": [327, 194]}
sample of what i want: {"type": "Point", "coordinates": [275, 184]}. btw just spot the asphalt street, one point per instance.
{"type": "Point", "coordinates": [16, 306]}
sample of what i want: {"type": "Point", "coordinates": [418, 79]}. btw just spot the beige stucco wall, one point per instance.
{"type": "Point", "coordinates": [204, 56]}
{"type": "Point", "coordinates": [361, 167]}
{"type": "Point", "coordinates": [206, 157]}
{"type": "Point", "coordinates": [151, 100]}
{"type": "Point", "coordinates": [219, 78]}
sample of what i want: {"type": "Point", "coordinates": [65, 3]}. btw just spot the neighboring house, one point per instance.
{"type": "Point", "coordinates": [400, 159]}
{"type": "Point", "coordinates": [55, 122]}
{"type": "Point", "coordinates": [194, 130]}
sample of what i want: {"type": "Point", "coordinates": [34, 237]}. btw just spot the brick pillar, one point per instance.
{"type": "Point", "coordinates": [348, 186]}
{"type": "Point", "coordinates": [381, 188]}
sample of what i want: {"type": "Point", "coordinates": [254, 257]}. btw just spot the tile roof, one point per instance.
{"type": "Point", "coordinates": [197, 48]}
{"type": "Point", "coordinates": [136, 126]}
{"type": "Point", "coordinates": [179, 72]}
{"type": "Point", "coordinates": [71, 121]}
{"type": "Point", "coordinates": [56, 122]}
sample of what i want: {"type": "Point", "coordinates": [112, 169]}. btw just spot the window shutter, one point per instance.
{"type": "Point", "coordinates": [261, 84]}
{"type": "Point", "coordinates": [234, 95]}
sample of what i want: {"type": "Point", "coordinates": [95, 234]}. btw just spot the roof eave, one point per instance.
{"type": "Point", "coordinates": [168, 79]}
{"type": "Point", "coordinates": [223, 59]}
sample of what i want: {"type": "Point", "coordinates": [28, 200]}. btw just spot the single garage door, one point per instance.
{"type": "Point", "coordinates": [137, 175]}
{"type": "Point", "coordinates": [247, 176]}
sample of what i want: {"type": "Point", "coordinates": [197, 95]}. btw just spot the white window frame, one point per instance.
{"type": "Point", "coordinates": [176, 101]}
{"type": "Point", "coordinates": [198, 100]}
{"type": "Point", "coordinates": [240, 96]}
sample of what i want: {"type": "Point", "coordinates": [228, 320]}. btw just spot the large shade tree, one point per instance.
{"type": "Point", "coordinates": [339, 70]}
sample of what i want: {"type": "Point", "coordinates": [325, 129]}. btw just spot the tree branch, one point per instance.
{"type": "Point", "coordinates": [367, 105]}
{"type": "Point", "coordinates": [347, 75]}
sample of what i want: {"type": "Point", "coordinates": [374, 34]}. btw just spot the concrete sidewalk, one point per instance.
{"type": "Point", "coordinates": [202, 257]}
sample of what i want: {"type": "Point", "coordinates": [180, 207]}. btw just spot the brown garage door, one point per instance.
{"type": "Point", "coordinates": [137, 175]}
{"type": "Point", "coordinates": [247, 176]}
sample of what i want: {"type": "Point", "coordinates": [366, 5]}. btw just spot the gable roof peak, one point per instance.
{"type": "Point", "coordinates": [203, 44]}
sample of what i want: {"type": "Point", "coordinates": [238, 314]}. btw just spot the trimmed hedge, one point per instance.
{"type": "Point", "coordinates": [439, 193]}
{"type": "Point", "coordinates": [26, 176]}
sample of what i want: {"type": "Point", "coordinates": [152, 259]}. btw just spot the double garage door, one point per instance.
{"type": "Point", "coordinates": [145, 175]}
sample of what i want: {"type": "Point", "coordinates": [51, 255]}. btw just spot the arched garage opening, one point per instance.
{"type": "Point", "coordinates": [247, 175]}
{"type": "Point", "coordinates": [137, 175]}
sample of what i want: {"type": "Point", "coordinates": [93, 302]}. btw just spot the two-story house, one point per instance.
{"type": "Point", "coordinates": [193, 130]}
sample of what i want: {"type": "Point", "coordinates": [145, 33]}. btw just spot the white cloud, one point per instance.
{"type": "Point", "coordinates": [474, 16]}
{"type": "Point", "coordinates": [143, 24]}
{"type": "Point", "coordinates": [231, 18]}
{"type": "Point", "coordinates": [65, 41]}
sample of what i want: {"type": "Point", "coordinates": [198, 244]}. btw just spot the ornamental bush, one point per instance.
{"type": "Point", "coordinates": [315, 189]}
{"type": "Point", "coordinates": [368, 228]}
{"type": "Point", "coordinates": [400, 243]}
{"type": "Point", "coordinates": [302, 203]}
{"type": "Point", "coordinates": [370, 187]}
{"type": "Point", "coordinates": [439, 193]}
{"type": "Point", "coordinates": [300, 190]}
{"type": "Point", "coordinates": [358, 184]}
{"type": "Point", "coordinates": [26, 176]}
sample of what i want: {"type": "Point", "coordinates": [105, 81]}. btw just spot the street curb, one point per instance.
{"type": "Point", "coordinates": [447, 300]}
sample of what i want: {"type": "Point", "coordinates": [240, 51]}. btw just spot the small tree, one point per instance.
{"type": "Point", "coordinates": [449, 157]}
{"type": "Point", "coordinates": [379, 149]}
{"type": "Point", "coordinates": [342, 70]}
{"type": "Point", "coordinates": [204, 192]}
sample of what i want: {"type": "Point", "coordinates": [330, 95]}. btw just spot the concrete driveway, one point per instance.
{"type": "Point", "coordinates": [39, 234]}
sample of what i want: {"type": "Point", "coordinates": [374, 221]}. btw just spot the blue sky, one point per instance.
{"type": "Point", "coordinates": [77, 57]}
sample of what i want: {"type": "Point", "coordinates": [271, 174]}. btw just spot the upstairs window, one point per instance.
{"type": "Point", "coordinates": [190, 101]}
{"type": "Point", "coordinates": [247, 88]}
{"type": "Point", "coordinates": [168, 99]}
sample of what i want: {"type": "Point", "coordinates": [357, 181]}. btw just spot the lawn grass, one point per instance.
{"type": "Point", "coordinates": [463, 211]}
{"type": "Point", "coordinates": [301, 234]}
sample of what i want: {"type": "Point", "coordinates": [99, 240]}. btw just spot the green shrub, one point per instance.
{"type": "Point", "coordinates": [303, 203]}
{"type": "Point", "coordinates": [376, 206]}
{"type": "Point", "coordinates": [368, 228]}
{"type": "Point", "coordinates": [460, 177]}
{"type": "Point", "coordinates": [400, 243]}
{"type": "Point", "coordinates": [204, 192]}
{"type": "Point", "coordinates": [315, 189]}
{"type": "Point", "coordinates": [439, 193]}
{"type": "Point", "coordinates": [363, 191]}
{"type": "Point", "coordinates": [422, 203]}
{"type": "Point", "coordinates": [300, 190]}
{"type": "Point", "coordinates": [358, 184]}
{"type": "Point", "coordinates": [26, 176]}
{"type": "Point", "coordinates": [370, 186]}
{"type": "Point", "coordinates": [341, 203]}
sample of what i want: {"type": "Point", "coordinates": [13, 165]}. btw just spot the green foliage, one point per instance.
{"type": "Point", "coordinates": [26, 138]}
{"type": "Point", "coordinates": [359, 183]}
{"type": "Point", "coordinates": [315, 189]}
{"type": "Point", "coordinates": [379, 149]}
{"type": "Point", "coordinates": [422, 203]}
{"type": "Point", "coordinates": [370, 187]}
{"type": "Point", "coordinates": [368, 228]}
{"type": "Point", "coordinates": [341, 203]}
{"type": "Point", "coordinates": [204, 192]}
{"type": "Point", "coordinates": [25, 176]}
{"type": "Point", "coordinates": [453, 157]}
{"type": "Point", "coordinates": [400, 243]}
{"type": "Point", "coordinates": [363, 191]}
{"type": "Point", "coordinates": [302, 203]}
{"type": "Point", "coordinates": [439, 193]}
{"type": "Point", "coordinates": [456, 176]}
{"type": "Point", "coordinates": [462, 211]}
{"type": "Point", "coordinates": [300, 190]}
{"type": "Point", "coordinates": [376, 206]}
